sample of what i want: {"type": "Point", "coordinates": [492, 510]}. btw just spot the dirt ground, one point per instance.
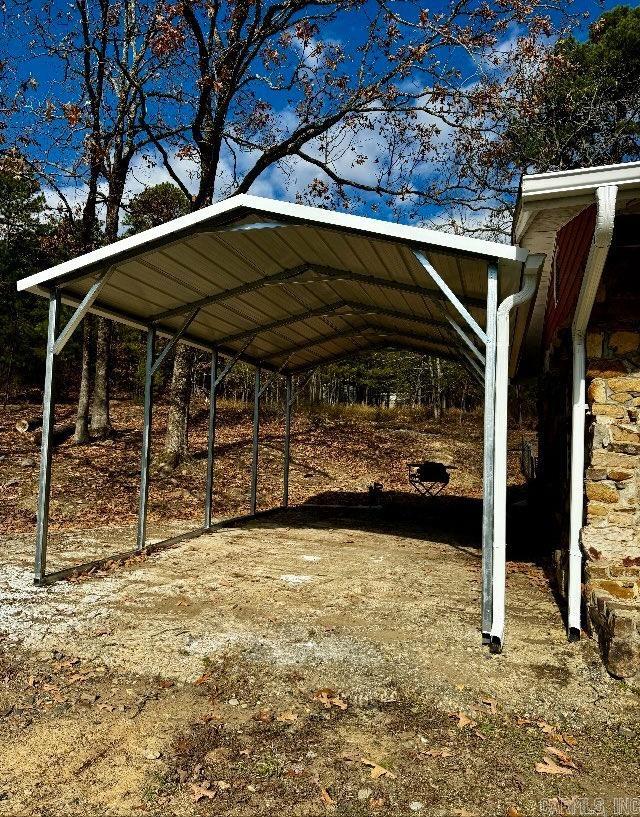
{"type": "Point", "coordinates": [305, 663]}
{"type": "Point", "coordinates": [335, 455]}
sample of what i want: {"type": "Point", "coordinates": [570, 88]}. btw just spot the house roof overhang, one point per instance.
{"type": "Point", "coordinates": [287, 286]}
{"type": "Point", "coordinates": [546, 202]}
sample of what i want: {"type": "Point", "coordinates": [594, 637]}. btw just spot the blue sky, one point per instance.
{"type": "Point", "coordinates": [46, 75]}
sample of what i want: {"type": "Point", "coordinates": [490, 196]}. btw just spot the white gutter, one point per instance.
{"type": "Point", "coordinates": [602, 235]}
{"type": "Point", "coordinates": [531, 270]}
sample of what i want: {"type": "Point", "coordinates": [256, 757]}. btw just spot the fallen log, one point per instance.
{"type": "Point", "coordinates": [61, 433]}
{"type": "Point", "coordinates": [27, 426]}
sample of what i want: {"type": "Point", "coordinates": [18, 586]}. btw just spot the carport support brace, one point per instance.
{"type": "Point", "coordinates": [489, 451]}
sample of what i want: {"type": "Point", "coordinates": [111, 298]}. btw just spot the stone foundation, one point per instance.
{"type": "Point", "coordinates": [611, 535]}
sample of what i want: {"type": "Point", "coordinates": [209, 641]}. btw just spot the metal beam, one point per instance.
{"type": "Point", "coordinates": [239, 228]}
{"type": "Point", "coordinates": [211, 441]}
{"type": "Point", "coordinates": [256, 441]}
{"type": "Point", "coordinates": [287, 441]}
{"type": "Point", "coordinates": [318, 312]}
{"type": "Point", "coordinates": [399, 344]}
{"type": "Point", "coordinates": [48, 418]}
{"type": "Point", "coordinates": [322, 274]}
{"type": "Point", "coordinates": [172, 342]}
{"type": "Point", "coordinates": [232, 362]}
{"type": "Point", "coordinates": [125, 318]}
{"type": "Point", "coordinates": [81, 311]}
{"type": "Point", "coordinates": [464, 362]}
{"type": "Point", "coordinates": [377, 329]}
{"type": "Point", "coordinates": [474, 366]}
{"type": "Point", "coordinates": [276, 279]}
{"type": "Point", "coordinates": [349, 307]}
{"type": "Point", "coordinates": [361, 309]}
{"type": "Point", "coordinates": [293, 350]}
{"type": "Point", "coordinates": [146, 440]}
{"type": "Point", "coordinates": [450, 295]}
{"type": "Point", "coordinates": [466, 339]}
{"type": "Point", "coordinates": [301, 385]}
{"type": "Point", "coordinates": [489, 452]}
{"type": "Point", "coordinates": [333, 274]}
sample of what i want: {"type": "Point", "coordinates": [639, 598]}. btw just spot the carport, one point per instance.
{"type": "Point", "coordinates": [286, 288]}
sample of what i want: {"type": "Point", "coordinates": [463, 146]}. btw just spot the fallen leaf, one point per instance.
{"type": "Point", "coordinates": [202, 679]}
{"type": "Point", "coordinates": [512, 811]}
{"type": "Point", "coordinates": [287, 717]}
{"type": "Point", "coordinates": [549, 766]}
{"type": "Point", "coordinates": [546, 728]}
{"type": "Point", "coordinates": [166, 684]}
{"type": "Point", "coordinates": [563, 757]}
{"type": "Point", "coordinates": [223, 785]}
{"type": "Point", "coordinates": [78, 676]}
{"type": "Point", "coordinates": [328, 698]}
{"type": "Point", "coordinates": [464, 721]}
{"type": "Point", "coordinates": [326, 797]}
{"type": "Point", "coordinates": [377, 771]}
{"type": "Point", "coordinates": [200, 791]}
{"type": "Point", "coordinates": [491, 703]}
{"type": "Point", "coordinates": [444, 752]}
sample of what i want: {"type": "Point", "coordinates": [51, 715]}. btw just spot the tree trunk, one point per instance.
{"type": "Point", "coordinates": [176, 440]}
{"type": "Point", "coordinates": [100, 424]}
{"type": "Point", "coordinates": [81, 435]}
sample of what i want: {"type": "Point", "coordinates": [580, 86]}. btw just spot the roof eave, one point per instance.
{"type": "Point", "coordinates": [230, 210]}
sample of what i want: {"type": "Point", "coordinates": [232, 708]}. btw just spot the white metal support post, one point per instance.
{"type": "Point", "coordinates": [256, 441]}
{"type": "Point", "coordinates": [211, 440]}
{"type": "Point", "coordinates": [48, 416]}
{"type": "Point", "coordinates": [489, 450]}
{"type": "Point", "coordinates": [146, 439]}
{"type": "Point", "coordinates": [288, 402]}
{"type": "Point", "coordinates": [531, 268]}
{"type": "Point", "coordinates": [55, 345]}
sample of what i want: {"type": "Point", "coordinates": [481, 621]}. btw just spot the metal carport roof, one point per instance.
{"type": "Point", "coordinates": [288, 286]}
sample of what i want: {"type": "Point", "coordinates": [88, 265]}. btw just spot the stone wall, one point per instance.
{"type": "Point", "coordinates": [611, 535]}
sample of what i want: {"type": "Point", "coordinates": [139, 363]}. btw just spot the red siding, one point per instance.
{"type": "Point", "coordinates": [570, 256]}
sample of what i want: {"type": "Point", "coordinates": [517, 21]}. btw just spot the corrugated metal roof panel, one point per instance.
{"type": "Point", "coordinates": [343, 283]}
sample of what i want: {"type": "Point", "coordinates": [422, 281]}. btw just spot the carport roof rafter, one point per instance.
{"type": "Point", "coordinates": [279, 273]}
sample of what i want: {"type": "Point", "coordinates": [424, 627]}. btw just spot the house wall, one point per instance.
{"type": "Point", "coordinates": [611, 534]}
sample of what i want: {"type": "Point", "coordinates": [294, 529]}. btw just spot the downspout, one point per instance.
{"type": "Point", "coordinates": [602, 235]}
{"type": "Point", "coordinates": [530, 276]}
